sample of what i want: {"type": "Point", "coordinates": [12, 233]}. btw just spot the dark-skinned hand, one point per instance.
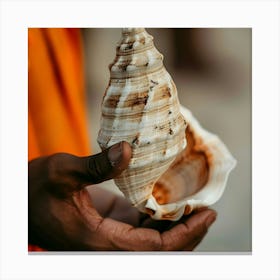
{"type": "Point", "coordinates": [65, 215]}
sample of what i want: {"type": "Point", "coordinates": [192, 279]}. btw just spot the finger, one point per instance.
{"type": "Point", "coordinates": [187, 235]}
{"type": "Point", "coordinates": [121, 236]}
{"type": "Point", "coordinates": [109, 234]}
{"type": "Point", "coordinates": [108, 164]}
{"type": "Point", "coordinates": [114, 235]}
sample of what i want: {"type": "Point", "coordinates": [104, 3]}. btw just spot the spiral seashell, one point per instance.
{"type": "Point", "coordinates": [141, 106]}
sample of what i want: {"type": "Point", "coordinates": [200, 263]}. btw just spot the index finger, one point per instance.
{"type": "Point", "coordinates": [184, 236]}
{"type": "Point", "coordinates": [122, 236]}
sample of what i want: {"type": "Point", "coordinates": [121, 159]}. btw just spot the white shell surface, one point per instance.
{"type": "Point", "coordinates": [141, 106]}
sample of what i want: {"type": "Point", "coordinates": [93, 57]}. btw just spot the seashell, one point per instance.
{"type": "Point", "coordinates": [166, 178]}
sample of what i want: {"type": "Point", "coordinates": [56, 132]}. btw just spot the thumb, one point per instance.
{"type": "Point", "coordinates": [63, 173]}
{"type": "Point", "coordinates": [107, 164]}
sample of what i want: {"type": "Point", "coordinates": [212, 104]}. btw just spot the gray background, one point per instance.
{"type": "Point", "coordinates": [211, 68]}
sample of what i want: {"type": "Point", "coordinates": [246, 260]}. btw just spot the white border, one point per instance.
{"type": "Point", "coordinates": [262, 16]}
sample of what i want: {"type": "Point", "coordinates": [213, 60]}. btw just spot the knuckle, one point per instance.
{"type": "Point", "coordinates": [58, 183]}
{"type": "Point", "coordinates": [56, 167]}
{"type": "Point", "coordinates": [156, 243]}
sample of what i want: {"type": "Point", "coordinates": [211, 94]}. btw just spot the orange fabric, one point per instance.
{"type": "Point", "coordinates": [56, 93]}
{"type": "Point", "coordinates": [32, 248]}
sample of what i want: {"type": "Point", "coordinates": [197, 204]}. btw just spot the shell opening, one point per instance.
{"type": "Point", "coordinates": [186, 176]}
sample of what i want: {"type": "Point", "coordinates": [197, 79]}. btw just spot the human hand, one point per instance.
{"type": "Point", "coordinates": [64, 215]}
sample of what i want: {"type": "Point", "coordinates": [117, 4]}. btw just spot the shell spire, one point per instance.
{"type": "Point", "coordinates": [135, 55]}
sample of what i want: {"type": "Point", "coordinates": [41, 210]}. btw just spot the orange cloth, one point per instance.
{"type": "Point", "coordinates": [56, 93]}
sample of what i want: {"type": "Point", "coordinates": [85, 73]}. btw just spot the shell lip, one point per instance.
{"type": "Point", "coordinates": [175, 210]}
{"type": "Point", "coordinates": [170, 211]}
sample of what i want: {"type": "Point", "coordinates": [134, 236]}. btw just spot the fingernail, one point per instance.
{"type": "Point", "coordinates": [210, 220]}
{"type": "Point", "coordinates": [115, 154]}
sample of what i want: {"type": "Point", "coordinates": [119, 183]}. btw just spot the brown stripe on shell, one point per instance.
{"type": "Point", "coordinates": [122, 65]}
{"type": "Point", "coordinates": [163, 125]}
{"type": "Point", "coordinates": [121, 52]}
{"type": "Point", "coordinates": [112, 101]}
{"type": "Point", "coordinates": [162, 93]}
{"type": "Point", "coordinates": [129, 46]}
{"type": "Point", "coordinates": [138, 70]}
{"type": "Point", "coordinates": [136, 99]}
{"type": "Point", "coordinates": [134, 114]}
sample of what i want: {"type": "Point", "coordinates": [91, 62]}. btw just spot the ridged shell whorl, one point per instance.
{"type": "Point", "coordinates": [141, 106]}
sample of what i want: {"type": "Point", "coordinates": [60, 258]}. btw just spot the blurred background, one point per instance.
{"type": "Point", "coordinates": [211, 68]}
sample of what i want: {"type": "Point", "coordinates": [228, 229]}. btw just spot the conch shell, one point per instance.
{"type": "Point", "coordinates": [176, 165]}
